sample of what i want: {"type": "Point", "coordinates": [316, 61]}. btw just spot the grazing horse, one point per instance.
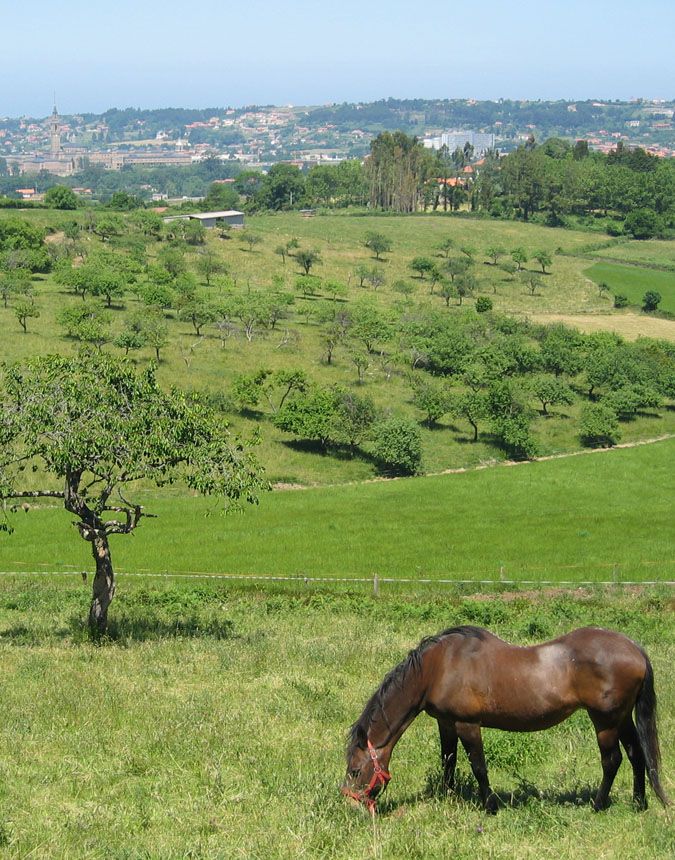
{"type": "Point", "coordinates": [467, 678]}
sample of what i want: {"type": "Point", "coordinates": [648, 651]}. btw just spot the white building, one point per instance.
{"type": "Point", "coordinates": [480, 141]}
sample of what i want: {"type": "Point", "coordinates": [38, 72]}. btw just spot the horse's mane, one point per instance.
{"type": "Point", "coordinates": [358, 733]}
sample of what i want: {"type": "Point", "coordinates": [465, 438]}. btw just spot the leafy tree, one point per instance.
{"type": "Point", "coordinates": [431, 397]}
{"type": "Point", "coordinates": [448, 291]}
{"type": "Point", "coordinates": [282, 251]}
{"type": "Point", "coordinates": [561, 350]}
{"type": "Point", "coordinates": [24, 311]}
{"type": "Point", "coordinates": [551, 391]}
{"type": "Point", "coordinates": [282, 188]}
{"type": "Point", "coordinates": [124, 202]}
{"type": "Point", "coordinates": [308, 259]}
{"type": "Point", "coordinates": [471, 405]}
{"type": "Point", "coordinates": [172, 260]}
{"type": "Point", "coordinates": [510, 419]}
{"type": "Point", "coordinates": [446, 246]}
{"type": "Point", "coordinates": [354, 417]}
{"type": "Point", "coordinates": [87, 323]}
{"type": "Point", "coordinates": [129, 340]}
{"type": "Point", "coordinates": [599, 426]}
{"type": "Point", "coordinates": [370, 325]}
{"type": "Point", "coordinates": [100, 430]}
{"type": "Point", "coordinates": [532, 281]}
{"type": "Point", "coordinates": [457, 266]}
{"type": "Point", "coordinates": [629, 399]}
{"type": "Point", "coordinates": [544, 259]}
{"type": "Point", "coordinates": [200, 312]}
{"type": "Point", "coordinates": [362, 271]}
{"type": "Point", "coordinates": [221, 197]}
{"type": "Point", "coordinates": [309, 415]}
{"type": "Point", "coordinates": [107, 226]}
{"type": "Point", "coordinates": [210, 264]}
{"type": "Point", "coordinates": [375, 278]}
{"type": "Point", "coordinates": [643, 224]}
{"type": "Point", "coordinates": [494, 252]}
{"type": "Point", "coordinates": [308, 285]}
{"type": "Point", "coordinates": [60, 197]}
{"type": "Point", "coordinates": [250, 238]}
{"type": "Point", "coordinates": [519, 257]}
{"type": "Point", "coordinates": [397, 446]}
{"type": "Point", "coordinates": [378, 243]}
{"type": "Point", "coordinates": [650, 301]}
{"type": "Point", "coordinates": [155, 331]}
{"type": "Point", "coordinates": [361, 361]}
{"type": "Point", "coordinates": [465, 285]}
{"type": "Point", "coordinates": [335, 289]}
{"type": "Point", "coordinates": [423, 266]}
{"type": "Point", "coordinates": [620, 300]}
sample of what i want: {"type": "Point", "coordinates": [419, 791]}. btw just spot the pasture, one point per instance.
{"type": "Point", "coordinates": [212, 725]}
{"type": "Point", "coordinates": [634, 281]}
{"type": "Point", "coordinates": [597, 517]}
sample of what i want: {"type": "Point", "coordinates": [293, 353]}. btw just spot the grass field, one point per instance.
{"type": "Point", "coordinates": [213, 726]}
{"type": "Point", "coordinates": [566, 519]}
{"type": "Point", "coordinates": [633, 282]}
{"type": "Point", "coordinates": [210, 363]}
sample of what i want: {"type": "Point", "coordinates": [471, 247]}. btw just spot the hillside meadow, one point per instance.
{"type": "Point", "coordinates": [213, 360]}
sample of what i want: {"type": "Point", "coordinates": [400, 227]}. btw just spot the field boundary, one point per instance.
{"type": "Point", "coordinates": [375, 581]}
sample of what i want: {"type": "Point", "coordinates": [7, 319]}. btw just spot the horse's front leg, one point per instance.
{"type": "Point", "coordinates": [472, 741]}
{"type": "Point", "coordinates": [448, 734]}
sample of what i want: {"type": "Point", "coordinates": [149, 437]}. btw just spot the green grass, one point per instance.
{"type": "Point", "coordinates": [566, 519]}
{"type": "Point", "coordinates": [213, 726]}
{"type": "Point", "coordinates": [211, 365]}
{"type": "Point", "coordinates": [656, 252]}
{"type": "Point", "coordinates": [633, 282]}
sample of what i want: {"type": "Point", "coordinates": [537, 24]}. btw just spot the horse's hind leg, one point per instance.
{"type": "Point", "coordinates": [448, 735]}
{"type": "Point", "coordinates": [631, 743]}
{"type": "Point", "coordinates": [472, 741]}
{"type": "Point", "coordinates": [610, 757]}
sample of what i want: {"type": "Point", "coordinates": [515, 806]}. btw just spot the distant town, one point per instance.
{"type": "Point", "coordinates": [257, 137]}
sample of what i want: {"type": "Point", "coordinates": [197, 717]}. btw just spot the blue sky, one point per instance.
{"type": "Point", "coordinates": [148, 53]}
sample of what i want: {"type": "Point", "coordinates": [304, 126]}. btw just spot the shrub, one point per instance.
{"type": "Point", "coordinates": [620, 301]}
{"type": "Point", "coordinates": [599, 427]}
{"type": "Point", "coordinates": [650, 300]}
{"type": "Point", "coordinates": [483, 304]}
{"type": "Point", "coordinates": [642, 224]}
{"type": "Point", "coordinates": [397, 445]}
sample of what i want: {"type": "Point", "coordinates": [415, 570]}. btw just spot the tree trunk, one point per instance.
{"type": "Point", "coordinates": [104, 585]}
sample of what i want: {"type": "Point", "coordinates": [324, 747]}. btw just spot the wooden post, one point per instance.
{"type": "Point", "coordinates": [376, 585]}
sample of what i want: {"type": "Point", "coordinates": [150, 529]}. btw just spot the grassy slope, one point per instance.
{"type": "Point", "coordinates": [634, 282]}
{"type": "Point", "coordinates": [209, 364]}
{"type": "Point", "coordinates": [569, 519]}
{"type": "Point", "coordinates": [227, 741]}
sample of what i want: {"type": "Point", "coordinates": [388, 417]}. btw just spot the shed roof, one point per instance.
{"type": "Point", "coordinates": [208, 215]}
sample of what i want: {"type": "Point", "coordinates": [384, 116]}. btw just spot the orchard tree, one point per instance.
{"type": "Point", "coordinates": [378, 243]}
{"type": "Point", "coordinates": [99, 432]}
{"type": "Point", "coordinates": [494, 252]}
{"type": "Point", "coordinates": [651, 301]}
{"type": "Point", "coordinates": [544, 259]}
{"type": "Point", "coordinates": [24, 311]}
{"type": "Point", "coordinates": [551, 391]}
{"type": "Point", "coordinates": [519, 257]}
{"type": "Point", "coordinates": [308, 259]}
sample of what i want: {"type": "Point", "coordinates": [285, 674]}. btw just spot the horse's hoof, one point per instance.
{"type": "Point", "coordinates": [491, 805]}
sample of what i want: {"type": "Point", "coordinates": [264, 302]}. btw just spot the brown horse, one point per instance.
{"type": "Point", "coordinates": [467, 678]}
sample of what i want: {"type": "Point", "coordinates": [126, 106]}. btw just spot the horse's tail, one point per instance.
{"type": "Point", "coordinates": [645, 712]}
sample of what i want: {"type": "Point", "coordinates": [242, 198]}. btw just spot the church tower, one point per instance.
{"type": "Point", "coordinates": [55, 135]}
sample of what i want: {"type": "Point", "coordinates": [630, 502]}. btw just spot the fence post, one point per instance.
{"type": "Point", "coordinates": [616, 573]}
{"type": "Point", "coordinates": [376, 585]}
{"type": "Point", "coordinates": [501, 572]}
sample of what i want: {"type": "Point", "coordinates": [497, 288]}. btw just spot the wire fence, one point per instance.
{"type": "Point", "coordinates": [376, 580]}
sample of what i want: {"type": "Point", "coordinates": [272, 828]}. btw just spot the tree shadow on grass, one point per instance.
{"type": "Point", "coordinates": [125, 630]}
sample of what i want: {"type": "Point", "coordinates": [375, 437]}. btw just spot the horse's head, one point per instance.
{"type": "Point", "coordinates": [366, 777]}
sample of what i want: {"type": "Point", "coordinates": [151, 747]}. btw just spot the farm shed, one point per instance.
{"type": "Point", "coordinates": [229, 216]}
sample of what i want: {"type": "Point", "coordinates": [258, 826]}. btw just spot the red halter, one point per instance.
{"type": "Point", "coordinates": [380, 777]}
